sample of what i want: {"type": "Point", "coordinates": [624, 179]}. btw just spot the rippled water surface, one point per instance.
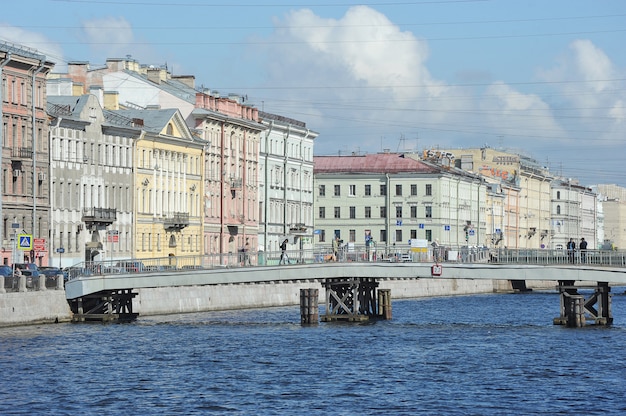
{"type": "Point", "coordinates": [470, 355]}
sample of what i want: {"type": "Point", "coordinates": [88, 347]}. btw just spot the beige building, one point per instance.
{"type": "Point", "coordinates": [167, 185]}
{"type": "Point", "coordinates": [614, 208]}
{"type": "Point", "coordinates": [395, 199]}
{"type": "Point", "coordinates": [532, 179]}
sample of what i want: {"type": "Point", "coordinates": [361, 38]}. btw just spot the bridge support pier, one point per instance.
{"type": "Point", "coordinates": [354, 299]}
{"type": "Point", "coordinates": [576, 311]}
{"type": "Point", "coordinates": [105, 306]}
{"type": "Point", "coordinates": [309, 306]}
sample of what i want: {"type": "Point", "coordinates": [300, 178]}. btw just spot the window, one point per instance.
{"type": "Point", "coordinates": [351, 190]}
{"type": "Point", "coordinates": [398, 211]}
{"type": "Point", "coordinates": [413, 234]}
{"type": "Point", "coordinates": [337, 190]}
{"type": "Point", "coordinates": [337, 212]}
{"type": "Point", "coordinates": [429, 211]}
{"type": "Point", "coordinates": [414, 211]}
{"type": "Point", "coordinates": [429, 235]}
{"type": "Point", "coordinates": [322, 189]}
{"type": "Point", "coordinates": [383, 190]}
{"type": "Point", "coordinates": [399, 236]}
{"type": "Point", "coordinates": [383, 236]}
{"type": "Point", "coordinates": [413, 190]}
{"type": "Point", "coordinates": [383, 212]}
{"type": "Point", "coordinates": [558, 210]}
{"type": "Point", "coordinates": [352, 236]}
{"type": "Point", "coordinates": [322, 236]}
{"type": "Point", "coordinates": [368, 190]}
{"type": "Point", "coordinates": [368, 212]}
{"type": "Point", "coordinates": [398, 190]}
{"type": "Point", "coordinates": [558, 194]}
{"type": "Point", "coordinates": [338, 234]}
{"type": "Point", "coordinates": [352, 212]}
{"type": "Point", "coordinates": [322, 212]}
{"type": "Point", "coordinates": [429, 189]}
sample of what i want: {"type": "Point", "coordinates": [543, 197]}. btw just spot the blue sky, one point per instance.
{"type": "Point", "coordinates": [547, 78]}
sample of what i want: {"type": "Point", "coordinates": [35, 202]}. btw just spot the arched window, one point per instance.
{"type": "Point", "coordinates": [558, 210]}
{"type": "Point", "coordinates": [170, 129]}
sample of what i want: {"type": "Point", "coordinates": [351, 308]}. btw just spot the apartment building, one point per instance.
{"type": "Point", "coordinates": [24, 202]}
{"type": "Point", "coordinates": [532, 179]}
{"type": "Point", "coordinates": [574, 214]}
{"type": "Point", "coordinates": [395, 198]}
{"type": "Point", "coordinates": [286, 183]}
{"type": "Point", "coordinates": [91, 181]}
{"type": "Point", "coordinates": [168, 185]}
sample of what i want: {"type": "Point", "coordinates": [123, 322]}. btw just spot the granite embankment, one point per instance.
{"type": "Point", "coordinates": [51, 306]}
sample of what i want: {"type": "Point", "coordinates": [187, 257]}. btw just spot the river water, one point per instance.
{"type": "Point", "coordinates": [471, 355]}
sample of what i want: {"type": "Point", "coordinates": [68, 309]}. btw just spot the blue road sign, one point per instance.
{"type": "Point", "coordinates": [25, 242]}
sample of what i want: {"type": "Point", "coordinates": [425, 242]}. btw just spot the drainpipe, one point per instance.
{"type": "Point", "coordinates": [35, 181]}
{"type": "Point", "coordinates": [2, 65]}
{"type": "Point", "coordinates": [285, 181]}
{"type": "Point", "coordinates": [52, 194]}
{"type": "Point", "coordinates": [388, 209]}
{"type": "Point", "coordinates": [222, 190]}
{"type": "Point", "coordinates": [267, 183]}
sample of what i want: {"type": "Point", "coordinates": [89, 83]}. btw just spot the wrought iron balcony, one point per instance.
{"type": "Point", "coordinates": [176, 221]}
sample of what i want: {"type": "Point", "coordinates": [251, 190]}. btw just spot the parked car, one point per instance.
{"type": "Point", "coordinates": [30, 270]}
{"type": "Point", "coordinates": [7, 273]}
{"type": "Point", "coordinates": [51, 274]}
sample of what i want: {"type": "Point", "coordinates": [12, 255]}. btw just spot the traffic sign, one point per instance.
{"type": "Point", "coordinates": [24, 242]}
{"type": "Point", "coordinates": [39, 244]}
{"type": "Point", "coordinates": [60, 250]}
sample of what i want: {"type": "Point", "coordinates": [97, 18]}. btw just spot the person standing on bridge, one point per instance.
{"type": "Point", "coordinates": [583, 250]}
{"type": "Point", "coordinates": [283, 252]}
{"type": "Point", "coordinates": [571, 248]}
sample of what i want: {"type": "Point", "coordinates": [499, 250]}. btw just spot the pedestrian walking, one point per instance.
{"type": "Point", "coordinates": [283, 252]}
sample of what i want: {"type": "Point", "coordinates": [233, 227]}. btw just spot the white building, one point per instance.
{"type": "Point", "coordinates": [285, 183]}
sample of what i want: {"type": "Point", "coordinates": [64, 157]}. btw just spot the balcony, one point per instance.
{"type": "Point", "coordinates": [176, 221]}
{"type": "Point", "coordinates": [22, 152]}
{"type": "Point", "coordinates": [99, 218]}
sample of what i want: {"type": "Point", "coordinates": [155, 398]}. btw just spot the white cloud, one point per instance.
{"type": "Point", "coordinates": [110, 35]}
{"type": "Point", "coordinates": [33, 40]}
{"type": "Point", "coordinates": [363, 47]}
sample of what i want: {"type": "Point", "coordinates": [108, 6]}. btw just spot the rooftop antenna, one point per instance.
{"type": "Point", "coordinates": [401, 141]}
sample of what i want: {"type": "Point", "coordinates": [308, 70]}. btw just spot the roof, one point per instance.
{"type": "Point", "coordinates": [371, 163]}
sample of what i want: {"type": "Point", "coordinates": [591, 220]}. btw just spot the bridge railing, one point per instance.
{"type": "Point", "coordinates": [361, 254]}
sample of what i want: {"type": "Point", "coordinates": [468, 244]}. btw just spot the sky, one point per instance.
{"type": "Point", "coordinates": [543, 78]}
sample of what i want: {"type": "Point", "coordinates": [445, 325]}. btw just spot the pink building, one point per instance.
{"type": "Point", "coordinates": [25, 202]}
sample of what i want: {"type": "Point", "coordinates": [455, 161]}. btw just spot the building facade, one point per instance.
{"type": "Point", "coordinates": [395, 199]}
{"type": "Point", "coordinates": [91, 177]}
{"type": "Point", "coordinates": [24, 159]}
{"type": "Point", "coordinates": [533, 207]}
{"type": "Point", "coordinates": [286, 183]}
{"type": "Point", "coordinates": [574, 214]}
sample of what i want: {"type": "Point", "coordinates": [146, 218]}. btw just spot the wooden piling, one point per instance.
{"type": "Point", "coordinates": [309, 309]}
{"type": "Point", "coordinates": [384, 303]}
{"type": "Point", "coordinates": [576, 311]}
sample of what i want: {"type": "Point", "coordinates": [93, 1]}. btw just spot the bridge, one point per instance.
{"type": "Point", "coordinates": [105, 289]}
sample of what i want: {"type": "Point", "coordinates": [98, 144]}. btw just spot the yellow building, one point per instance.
{"type": "Point", "coordinates": [167, 186]}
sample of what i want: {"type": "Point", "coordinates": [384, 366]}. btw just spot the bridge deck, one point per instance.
{"type": "Point", "coordinates": [82, 285]}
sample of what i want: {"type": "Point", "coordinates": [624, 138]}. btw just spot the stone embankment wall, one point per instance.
{"type": "Point", "coordinates": [49, 306]}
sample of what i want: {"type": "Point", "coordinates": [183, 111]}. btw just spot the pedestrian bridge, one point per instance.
{"type": "Point", "coordinates": [87, 284]}
{"type": "Point", "coordinates": [100, 285]}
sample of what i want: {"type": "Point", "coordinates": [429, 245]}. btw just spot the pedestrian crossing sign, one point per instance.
{"type": "Point", "coordinates": [25, 242]}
